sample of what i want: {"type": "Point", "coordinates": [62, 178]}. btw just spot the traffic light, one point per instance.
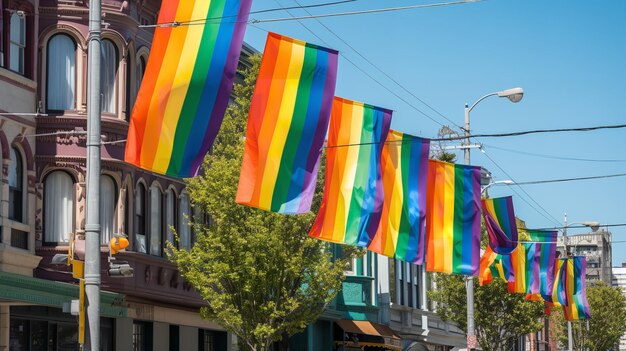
{"type": "Point", "coordinates": [117, 244]}
{"type": "Point", "coordinates": [118, 269]}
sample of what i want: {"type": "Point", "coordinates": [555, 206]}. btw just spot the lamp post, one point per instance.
{"type": "Point", "coordinates": [92, 218]}
{"type": "Point", "coordinates": [570, 339]}
{"type": "Point", "coordinates": [514, 95]}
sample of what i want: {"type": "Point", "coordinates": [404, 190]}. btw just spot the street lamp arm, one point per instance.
{"type": "Point", "coordinates": [505, 182]}
{"type": "Point", "coordinates": [469, 109]}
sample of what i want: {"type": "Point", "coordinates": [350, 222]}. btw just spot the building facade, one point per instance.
{"type": "Point", "coordinates": [596, 246]}
{"type": "Point", "coordinates": [43, 104]}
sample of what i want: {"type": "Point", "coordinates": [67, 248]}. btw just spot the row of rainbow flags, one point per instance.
{"type": "Point", "coordinates": [381, 191]}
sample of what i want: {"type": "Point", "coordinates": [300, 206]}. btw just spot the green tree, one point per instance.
{"type": "Point", "coordinates": [263, 278]}
{"type": "Point", "coordinates": [499, 316]}
{"type": "Point", "coordinates": [607, 324]}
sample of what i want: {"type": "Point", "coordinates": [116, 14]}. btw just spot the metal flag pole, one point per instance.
{"type": "Point", "coordinates": [92, 220]}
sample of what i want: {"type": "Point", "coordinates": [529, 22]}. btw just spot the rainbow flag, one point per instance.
{"type": "Point", "coordinates": [289, 116]}
{"type": "Point", "coordinates": [500, 221]}
{"type": "Point", "coordinates": [576, 290]}
{"type": "Point", "coordinates": [541, 259]}
{"type": "Point", "coordinates": [559, 291]}
{"type": "Point", "coordinates": [529, 269]}
{"type": "Point", "coordinates": [352, 203]}
{"type": "Point", "coordinates": [453, 218]}
{"type": "Point", "coordinates": [520, 259]}
{"type": "Point", "coordinates": [402, 229]}
{"type": "Point", "coordinates": [186, 87]}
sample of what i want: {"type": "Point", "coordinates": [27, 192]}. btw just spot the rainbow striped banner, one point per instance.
{"type": "Point", "coordinates": [520, 262]}
{"type": "Point", "coordinates": [453, 218]}
{"type": "Point", "coordinates": [559, 291]}
{"type": "Point", "coordinates": [352, 203]}
{"type": "Point", "coordinates": [500, 221]}
{"type": "Point", "coordinates": [402, 229]}
{"type": "Point", "coordinates": [529, 269]}
{"type": "Point", "coordinates": [578, 308]}
{"type": "Point", "coordinates": [541, 258]}
{"type": "Point", "coordinates": [289, 116]}
{"type": "Point", "coordinates": [186, 87]}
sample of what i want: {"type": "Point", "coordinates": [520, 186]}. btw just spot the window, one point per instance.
{"type": "Point", "coordinates": [140, 218]}
{"type": "Point", "coordinates": [171, 215]}
{"type": "Point", "coordinates": [109, 75]}
{"type": "Point", "coordinates": [61, 90]}
{"type": "Point", "coordinates": [142, 336]}
{"type": "Point", "coordinates": [406, 286]}
{"type": "Point", "coordinates": [17, 44]}
{"type": "Point", "coordinates": [58, 207]}
{"type": "Point", "coordinates": [206, 340]}
{"type": "Point", "coordinates": [108, 194]}
{"type": "Point", "coordinates": [16, 186]}
{"type": "Point", "coordinates": [139, 72]}
{"type": "Point", "coordinates": [184, 213]}
{"type": "Point", "coordinates": [156, 224]}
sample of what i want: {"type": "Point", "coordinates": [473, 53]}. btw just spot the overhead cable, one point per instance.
{"type": "Point", "coordinates": [352, 13]}
{"type": "Point", "coordinates": [500, 135]}
{"type": "Point", "coordinates": [555, 157]}
{"type": "Point", "coordinates": [218, 20]}
{"type": "Point", "coordinates": [204, 20]}
{"type": "Point", "coordinates": [381, 71]}
{"type": "Point", "coordinates": [571, 179]}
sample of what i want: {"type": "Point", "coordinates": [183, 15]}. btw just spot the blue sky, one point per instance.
{"type": "Point", "coordinates": [569, 56]}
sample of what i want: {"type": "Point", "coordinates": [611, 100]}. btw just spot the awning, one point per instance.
{"type": "Point", "coordinates": [36, 291]}
{"type": "Point", "coordinates": [376, 335]}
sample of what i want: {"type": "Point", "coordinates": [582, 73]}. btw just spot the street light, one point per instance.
{"type": "Point", "coordinates": [497, 182]}
{"type": "Point", "coordinates": [594, 226]}
{"type": "Point", "coordinates": [514, 95]}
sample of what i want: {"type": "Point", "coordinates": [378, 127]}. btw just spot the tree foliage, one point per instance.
{"type": "Point", "coordinates": [499, 316]}
{"type": "Point", "coordinates": [607, 324]}
{"type": "Point", "coordinates": [263, 278]}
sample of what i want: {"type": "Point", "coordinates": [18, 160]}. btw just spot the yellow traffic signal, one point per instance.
{"type": "Point", "coordinates": [117, 244]}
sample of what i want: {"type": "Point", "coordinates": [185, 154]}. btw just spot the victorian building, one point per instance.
{"type": "Point", "coordinates": [43, 85]}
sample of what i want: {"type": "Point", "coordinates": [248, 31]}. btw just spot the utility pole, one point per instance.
{"type": "Point", "coordinates": [92, 220]}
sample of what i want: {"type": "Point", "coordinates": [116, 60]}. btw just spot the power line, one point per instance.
{"type": "Point", "coordinates": [204, 20]}
{"type": "Point", "coordinates": [499, 135]}
{"type": "Point", "coordinates": [554, 156]}
{"type": "Point", "coordinates": [218, 20]}
{"type": "Point", "coordinates": [352, 13]}
{"type": "Point", "coordinates": [572, 179]}
{"type": "Point", "coordinates": [584, 226]}
{"type": "Point", "coordinates": [380, 70]}
{"type": "Point", "coordinates": [360, 69]}
{"type": "Point", "coordinates": [545, 214]}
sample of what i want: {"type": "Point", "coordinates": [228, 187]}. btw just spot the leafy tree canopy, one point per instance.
{"type": "Point", "coordinates": [263, 278]}
{"type": "Point", "coordinates": [607, 324]}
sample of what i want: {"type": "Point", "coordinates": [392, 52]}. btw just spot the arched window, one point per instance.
{"type": "Point", "coordinates": [108, 69]}
{"type": "Point", "coordinates": [17, 48]}
{"type": "Point", "coordinates": [61, 90]}
{"type": "Point", "coordinates": [58, 207]}
{"type": "Point", "coordinates": [139, 72]}
{"type": "Point", "coordinates": [140, 218]}
{"type": "Point", "coordinates": [156, 224]}
{"type": "Point", "coordinates": [16, 186]}
{"type": "Point", "coordinates": [184, 214]}
{"type": "Point", "coordinates": [172, 215]}
{"type": "Point", "coordinates": [108, 193]}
